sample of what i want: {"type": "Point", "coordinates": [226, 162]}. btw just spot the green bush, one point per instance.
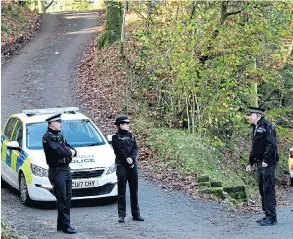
{"type": "Point", "coordinates": [7, 232]}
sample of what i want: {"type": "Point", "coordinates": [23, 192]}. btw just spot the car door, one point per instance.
{"type": "Point", "coordinates": [6, 153]}
{"type": "Point", "coordinates": [16, 156]}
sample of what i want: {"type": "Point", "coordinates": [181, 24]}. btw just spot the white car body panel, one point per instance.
{"type": "Point", "coordinates": [88, 158]}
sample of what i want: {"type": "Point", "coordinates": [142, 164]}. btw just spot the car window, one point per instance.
{"type": "Point", "coordinates": [17, 134]}
{"type": "Point", "coordinates": [9, 127]}
{"type": "Point", "coordinates": [78, 133]}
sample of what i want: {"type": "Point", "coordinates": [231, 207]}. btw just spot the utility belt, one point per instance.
{"type": "Point", "coordinates": [260, 161]}
{"type": "Point", "coordinates": [61, 162]}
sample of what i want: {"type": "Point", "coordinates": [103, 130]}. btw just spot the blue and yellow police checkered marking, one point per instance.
{"type": "Point", "coordinates": [4, 149]}
{"type": "Point", "coordinates": [16, 160]}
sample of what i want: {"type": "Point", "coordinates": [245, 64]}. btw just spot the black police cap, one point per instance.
{"type": "Point", "coordinates": [121, 119]}
{"type": "Point", "coordinates": [54, 118]}
{"type": "Point", "coordinates": [256, 110]}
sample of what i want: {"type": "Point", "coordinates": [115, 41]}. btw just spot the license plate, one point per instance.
{"type": "Point", "coordinates": [85, 184]}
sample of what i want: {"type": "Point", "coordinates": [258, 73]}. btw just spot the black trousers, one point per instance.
{"type": "Point", "coordinates": [266, 185]}
{"type": "Point", "coordinates": [130, 175]}
{"type": "Point", "coordinates": [61, 181]}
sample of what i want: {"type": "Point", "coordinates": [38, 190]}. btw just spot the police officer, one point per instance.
{"type": "Point", "coordinates": [125, 148]}
{"type": "Point", "coordinates": [58, 156]}
{"type": "Point", "coordinates": [264, 152]}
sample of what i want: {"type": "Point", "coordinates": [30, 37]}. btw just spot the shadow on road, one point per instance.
{"type": "Point", "coordinates": [77, 203]}
{"type": "Point", "coordinates": [52, 205]}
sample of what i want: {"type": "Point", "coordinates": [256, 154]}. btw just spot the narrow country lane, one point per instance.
{"type": "Point", "coordinates": [42, 75]}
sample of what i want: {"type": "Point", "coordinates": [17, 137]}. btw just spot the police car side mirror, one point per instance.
{"type": "Point", "coordinates": [109, 139]}
{"type": "Point", "coordinates": [14, 145]}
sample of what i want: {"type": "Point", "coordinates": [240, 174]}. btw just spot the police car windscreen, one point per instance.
{"type": "Point", "coordinates": [78, 133]}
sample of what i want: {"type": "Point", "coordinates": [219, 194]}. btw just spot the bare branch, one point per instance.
{"type": "Point", "coordinates": [49, 5]}
{"type": "Point", "coordinates": [193, 9]}
{"type": "Point", "coordinates": [233, 13]}
{"type": "Point", "coordinates": [138, 13]}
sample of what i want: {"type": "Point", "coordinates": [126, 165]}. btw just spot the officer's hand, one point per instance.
{"type": "Point", "coordinates": [248, 168]}
{"type": "Point", "coordinates": [132, 166]}
{"type": "Point", "coordinates": [129, 160]}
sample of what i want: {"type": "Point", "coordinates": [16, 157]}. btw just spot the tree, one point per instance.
{"type": "Point", "coordinates": [42, 6]}
{"type": "Point", "coordinates": [211, 59]}
{"type": "Point", "coordinates": [123, 28]}
{"type": "Point", "coordinates": [112, 30]}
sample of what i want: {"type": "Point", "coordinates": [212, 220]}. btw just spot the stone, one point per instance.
{"type": "Point", "coordinates": [216, 184]}
{"type": "Point", "coordinates": [204, 184]}
{"type": "Point", "coordinates": [234, 189]}
{"type": "Point", "coordinates": [217, 191]}
{"type": "Point", "coordinates": [237, 192]}
{"type": "Point", "coordinates": [203, 178]}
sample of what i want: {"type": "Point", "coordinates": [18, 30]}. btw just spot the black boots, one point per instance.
{"type": "Point", "coordinates": [261, 220]}
{"type": "Point", "coordinates": [69, 230]}
{"type": "Point", "coordinates": [269, 222]}
{"type": "Point", "coordinates": [138, 218]}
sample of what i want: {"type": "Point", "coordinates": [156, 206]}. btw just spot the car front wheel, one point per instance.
{"type": "Point", "coordinates": [24, 195]}
{"type": "Point", "coordinates": [3, 183]}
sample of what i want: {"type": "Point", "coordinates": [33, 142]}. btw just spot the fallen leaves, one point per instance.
{"type": "Point", "coordinates": [18, 25]}
{"type": "Point", "coordinates": [100, 85]}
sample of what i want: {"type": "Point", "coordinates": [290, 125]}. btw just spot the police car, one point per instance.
{"type": "Point", "coordinates": [24, 166]}
{"type": "Point", "coordinates": [290, 162]}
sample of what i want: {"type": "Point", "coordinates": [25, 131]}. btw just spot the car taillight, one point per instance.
{"type": "Point", "coordinates": [291, 168]}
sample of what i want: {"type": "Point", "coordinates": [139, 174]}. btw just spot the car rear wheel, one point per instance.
{"type": "Point", "coordinates": [24, 195]}
{"type": "Point", "coordinates": [291, 182]}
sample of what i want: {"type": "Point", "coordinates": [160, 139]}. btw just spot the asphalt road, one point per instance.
{"type": "Point", "coordinates": [42, 75]}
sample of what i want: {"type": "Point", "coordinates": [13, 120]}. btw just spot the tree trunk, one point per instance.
{"type": "Point", "coordinates": [253, 90]}
{"type": "Point", "coordinates": [253, 93]}
{"type": "Point", "coordinates": [112, 31]}
{"type": "Point", "coordinates": [41, 4]}
{"type": "Point", "coordinates": [123, 29]}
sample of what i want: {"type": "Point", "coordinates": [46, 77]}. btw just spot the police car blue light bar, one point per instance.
{"type": "Point", "coordinates": [50, 111]}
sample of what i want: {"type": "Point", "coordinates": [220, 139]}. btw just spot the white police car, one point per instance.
{"type": "Point", "coordinates": [24, 164]}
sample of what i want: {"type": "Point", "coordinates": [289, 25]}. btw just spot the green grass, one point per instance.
{"type": "Point", "coordinates": [191, 154]}
{"type": "Point", "coordinates": [5, 28]}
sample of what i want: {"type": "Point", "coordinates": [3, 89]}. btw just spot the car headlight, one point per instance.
{"type": "Point", "coordinates": [39, 171]}
{"type": "Point", "coordinates": [112, 169]}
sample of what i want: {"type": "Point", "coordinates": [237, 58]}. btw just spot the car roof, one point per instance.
{"type": "Point", "coordinates": [36, 118]}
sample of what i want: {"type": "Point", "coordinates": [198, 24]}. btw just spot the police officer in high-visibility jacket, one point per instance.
{"type": "Point", "coordinates": [264, 152]}
{"type": "Point", "coordinates": [58, 156]}
{"type": "Point", "coordinates": [125, 148]}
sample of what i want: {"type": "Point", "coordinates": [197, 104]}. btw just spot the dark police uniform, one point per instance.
{"type": "Point", "coordinates": [58, 157]}
{"type": "Point", "coordinates": [124, 145]}
{"type": "Point", "coordinates": [264, 150]}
